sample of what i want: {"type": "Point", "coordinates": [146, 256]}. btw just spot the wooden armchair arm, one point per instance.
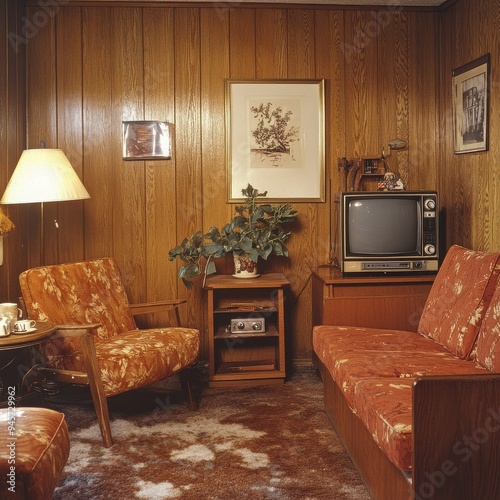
{"type": "Point", "coordinates": [456, 436]}
{"type": "Point", "coordinates": [74, 330]}
{"type": "Point", "coordinates": [164, 305]}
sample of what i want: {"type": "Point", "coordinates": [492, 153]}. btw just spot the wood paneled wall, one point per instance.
{"type": "Point", "coordinates": [13, 40]}
{"type": "Point", "coordinates": [470, 183]}
{"type": "Point", "coordinates": [94, 66]}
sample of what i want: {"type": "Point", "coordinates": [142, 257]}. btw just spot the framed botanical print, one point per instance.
{"type": "Point", "coordinates": [275, 139]}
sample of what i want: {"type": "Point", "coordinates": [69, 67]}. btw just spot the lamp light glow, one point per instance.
{"type": "Point", "coordinates": [43, 175]}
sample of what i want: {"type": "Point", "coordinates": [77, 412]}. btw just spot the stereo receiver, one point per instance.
{"type": "Point", "coordinates": [248, 325]}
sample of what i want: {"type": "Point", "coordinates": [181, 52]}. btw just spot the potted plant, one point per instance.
{"type": "Point", "coordinates": [6, 225]}
{"type": "Point", "coordinates": [256, 230]}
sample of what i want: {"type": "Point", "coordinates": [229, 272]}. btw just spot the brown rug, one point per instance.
{"type": "Point", "coordinates": [268, 442]}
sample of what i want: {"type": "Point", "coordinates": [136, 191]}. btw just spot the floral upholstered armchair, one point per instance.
{"type": "Point", "coordinates": [97, 341]}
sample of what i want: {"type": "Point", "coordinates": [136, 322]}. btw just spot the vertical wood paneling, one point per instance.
{"type": "Point", "coordinates": [12, 139]}
{"type": "Point", "coordinates": [129, 176]}
{"type": "Point", "coordinates": [362, 110]}
{"type": "Point", "coordinates": [159, 104]}
{"type": "Point", "coordinates": [493, 37]}
{"type": "Point", "coordinates": [98, 159]}
{"type": "Point", "coordinates": [42, 123]}
{"type": "Point", "coordinates": [214, 28]}
{"type": "Point", "coordinates": [271, 43]}
{"type": "Point", "coordinates": [301, 65]}
{"type": "Point", "coordinates": [469, 182]}
{"type": "Point", "coordinates": [70, 235]}
{"type": "Point", "coordinates": [393, 87]}
{"type": "Point", "coordinates": [242, 33]}
{"type": "Point", "coordinates": [189, 186]}
{"type": "Point", "coordinates": [214, 71]}
{"type": "Point", "coordinates": [330, 65]}
{"type": "Point", "coordinates": [423, 136]}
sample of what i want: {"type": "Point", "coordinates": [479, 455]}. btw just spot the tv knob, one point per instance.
{"type": "Point", "coordinates": [430, 204]}
{"type": "Point", "coordinates": [429, 249]}
{"type": "Point", "coordinates": [240, 325]}
{"type": "Point", "coordinates": [256, 326]}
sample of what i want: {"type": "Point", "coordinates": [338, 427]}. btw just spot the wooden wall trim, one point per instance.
{"type": "Point", "coordinates": [239, 4]}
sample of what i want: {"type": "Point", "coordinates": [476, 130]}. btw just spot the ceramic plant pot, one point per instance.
{"type": "Point", "coordinates": [244, 267]}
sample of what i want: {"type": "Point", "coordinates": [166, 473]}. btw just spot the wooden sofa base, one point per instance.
{"type": "Point", "coordinates": [381, 477]}
{"type": "Point", "coordinates": [456, 440]}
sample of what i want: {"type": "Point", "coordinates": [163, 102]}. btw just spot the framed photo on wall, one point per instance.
{"type": "Point", "coordinates": [146, 140]}
{"type": "Point", "coordinates": [471, 87]}
{"type": "Point", "coordinates": [275, 139]}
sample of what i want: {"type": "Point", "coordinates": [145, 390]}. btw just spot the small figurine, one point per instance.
{"type": "Point", "coordinates": [391, 182]}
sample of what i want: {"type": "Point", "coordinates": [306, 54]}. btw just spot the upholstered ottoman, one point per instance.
{"type": "Point", "coordinates": [34, 447]}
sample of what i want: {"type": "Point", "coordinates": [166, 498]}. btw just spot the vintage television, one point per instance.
{"type": "Point", "coordinates": [386, 231]}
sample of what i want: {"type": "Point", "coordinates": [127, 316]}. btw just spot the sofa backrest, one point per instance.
{"type": "Point", "coordinates": [459, 297]}
{"type": "Point", "coordinates": [79, 293]}
{"type": "Point", "coordinates": [487, 351]}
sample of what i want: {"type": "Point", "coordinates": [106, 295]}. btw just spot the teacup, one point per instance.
{"type": "Point", "coordinates": [4, 327]}
{"type": "Point", "coordinates": [24, 325]}
{"type": "Point", "coordinates": [11, 311]}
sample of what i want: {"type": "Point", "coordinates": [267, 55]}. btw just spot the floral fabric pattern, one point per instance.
{"type": "Point", "coordinates": [488, 342]}
{"type": "Point", "coordinates": [458, 334]}
{"type": "Point", "coordinates": [41, 451]}
{"type": "Point", "coordinates": [459, 298]}
{"type": "Point", "coordinates": [385, 406]}
{"type": "Point", "coordinates": [93, 292]}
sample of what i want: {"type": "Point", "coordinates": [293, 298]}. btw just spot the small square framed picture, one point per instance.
{"type": "Point", "coordinates": [147, 140]}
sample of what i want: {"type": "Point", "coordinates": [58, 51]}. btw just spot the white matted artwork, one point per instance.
{"type": "Point", "coordinates": [275, 138]}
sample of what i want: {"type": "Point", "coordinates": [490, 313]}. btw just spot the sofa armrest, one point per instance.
{"type": "Point", "coordinates": [154, 307]}
{"type": "Point", "coordinates": [456, 436]}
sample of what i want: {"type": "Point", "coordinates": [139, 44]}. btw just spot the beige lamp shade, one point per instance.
{"type": "Point", "coordinates": [43, 175]}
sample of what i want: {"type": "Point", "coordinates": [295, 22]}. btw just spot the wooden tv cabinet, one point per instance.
{"type": "Point", "coordinates": [385, 301]}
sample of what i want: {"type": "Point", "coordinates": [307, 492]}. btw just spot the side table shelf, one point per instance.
{"type": "Point", "coordinates": [246, 357]}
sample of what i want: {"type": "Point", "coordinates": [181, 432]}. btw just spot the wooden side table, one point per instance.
{"type": "Point", "coordinates": [22, 340]}
{"type": "Point", "coordinates": [19, 342]}
{"type": "Point", "coordinates": [245, 356]}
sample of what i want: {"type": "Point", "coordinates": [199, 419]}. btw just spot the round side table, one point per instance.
{"type": "Point", "coordinates": [22, 340]}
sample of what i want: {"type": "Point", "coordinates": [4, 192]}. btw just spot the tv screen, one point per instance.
{"type": "Point", "coordinates": [383, 226]}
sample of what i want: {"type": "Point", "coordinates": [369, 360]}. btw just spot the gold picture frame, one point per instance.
{"type": "Point", "coordinates": [275, 139]}
{"type": "Point", "coordinates": [471, 87]}
{"type": "Point", "coordinates": [147, 140]}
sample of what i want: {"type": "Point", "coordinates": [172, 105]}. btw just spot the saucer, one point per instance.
{"type": "Point", "coordinates": [29, 330]}
{"type": "Point", "coordinates": [246, 277]}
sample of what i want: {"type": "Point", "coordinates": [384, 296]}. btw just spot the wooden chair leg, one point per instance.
{"type": "Point", "coordinates": [96, 388]}
{"type": "Point", "coordinates": [187, 388]}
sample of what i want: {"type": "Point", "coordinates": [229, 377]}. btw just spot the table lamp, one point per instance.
{"type": "Point", "coordinates": [43, 175]}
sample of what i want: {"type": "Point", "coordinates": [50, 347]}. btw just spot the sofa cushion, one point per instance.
{"type": "Point", "coordinates": [354, 338]}
{"type": "Point", "coordinates": [351, 354]}
{"type": "Point", "coordinates": [349, 367]}
{"type": "Point", "coordinates": [134, 359]}
{"type": "Point", "coordinates": [385, 407]}
{"type": "Point", "coordinates": [488, 342]}
{"type": "Point", "coordinates": [459, 298]}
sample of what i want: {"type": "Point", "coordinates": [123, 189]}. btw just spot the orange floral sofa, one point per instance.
{"type": "Point", "coordinates": [420, 412]}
